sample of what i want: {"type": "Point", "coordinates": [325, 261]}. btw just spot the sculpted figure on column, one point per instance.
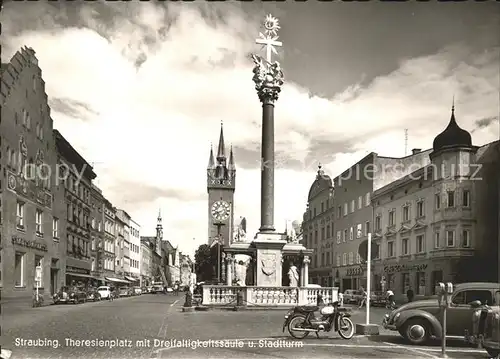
{"type": "Point", "coordinates": [293, 275]}
{"type": "Point", "coordinates": [241, 265]}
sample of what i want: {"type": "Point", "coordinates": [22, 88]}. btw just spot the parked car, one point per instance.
{"type": "Point", "coordinates": [420, 320]}
{"type": "Point", "coordinates": [124, 292]}
{"type": "Point", "coordinates": [67, 294]}
{"type": "Point", "coordinates": [485, 328]}
{"type": "Point", "coordinates": [157, 289]}
{"type": "Point", "coordinates": [377, 299]}
{"type": "Point", "coordinates": [137, 290]}
{"type": "Point", "coordinates": [93, 294]}
{"type": "Point", "coordinates": [104, 291]}
{"type": "Point", "coordinates": [352, 296]}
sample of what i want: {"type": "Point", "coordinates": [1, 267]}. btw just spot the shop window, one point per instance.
{"type": "Point", "coordinates": [19, 269]}
{"type": "Point", "coordinates": [420, 283]}
{"type": "Point", "coordinates": [38, 262]}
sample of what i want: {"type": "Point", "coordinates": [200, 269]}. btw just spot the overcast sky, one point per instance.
{"type": "Point", "coordinates": [140, 90]}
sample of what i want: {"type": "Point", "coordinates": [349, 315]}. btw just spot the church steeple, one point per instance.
{"type": "Point", "coordinates": [221, 151]}
{"type": "Point", "coordinates": [211, 161]}
{"type": "Point", "coordinates": [231, 165]}
{"type": "Point", "coordinates": [159, 227]}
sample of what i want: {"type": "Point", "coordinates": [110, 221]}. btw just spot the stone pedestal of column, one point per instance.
{"type": "Point", "coordinates": [269, 248]}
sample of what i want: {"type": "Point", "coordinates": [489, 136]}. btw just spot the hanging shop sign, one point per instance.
{"type": "Point", "coordinates": [404, 268]}
{"type": "Point", "coordinates": [29, 243]}
{"type": "Point", "coordinates": [70, 269]}
{"type": "Point", "coordinates": [355, 271]}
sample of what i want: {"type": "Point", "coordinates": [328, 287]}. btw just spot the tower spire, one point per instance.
{"type": "Point", "coordinates": [211, 161]}
{"type": "Point", "coordinates": [159, 217]}
{"type": "Point", "coordinates": [221, 151]}
{"type": "Point", "coordinates": [231, 165]}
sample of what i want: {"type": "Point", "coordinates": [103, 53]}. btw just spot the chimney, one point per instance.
{"type": "Point", "coordinates": [415, 151]}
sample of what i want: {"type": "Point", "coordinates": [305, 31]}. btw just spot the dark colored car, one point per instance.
{"type": "Point", "coordinates": [93, 295]}
{"type": "Point", "coordinates": [485, 328]}
{"type": "Point", "coordinates": [67, 294]}
{"type": "Point", "coordinates": [421, 320]}
{"type": "Point", "coordinates": [377, 299]}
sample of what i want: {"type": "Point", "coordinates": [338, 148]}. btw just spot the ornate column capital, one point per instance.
{"type": "Point", "coordinates": [229, 258]}
{"type": "Point", "coordinates": [268, 78]}
{"type": "Point", "coordinates": [306, 260]}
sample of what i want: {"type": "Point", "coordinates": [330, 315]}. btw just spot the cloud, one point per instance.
{"type": "Point", "coordinates": [72, 108]}
{"type": "Point", "coordinates": [159, 80]}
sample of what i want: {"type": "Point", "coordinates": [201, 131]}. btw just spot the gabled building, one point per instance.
{"type": "Point", "coordinates": [32, 227]}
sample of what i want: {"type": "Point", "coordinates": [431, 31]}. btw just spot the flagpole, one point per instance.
{"type": "Point", "coordinates": [368, 277]}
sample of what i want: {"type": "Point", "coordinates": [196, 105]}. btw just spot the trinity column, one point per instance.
{"type": "Point", "coordinates": [268, 79]}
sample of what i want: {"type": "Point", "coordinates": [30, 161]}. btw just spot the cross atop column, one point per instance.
{"type": "Point", "coordinates": [269, 39]}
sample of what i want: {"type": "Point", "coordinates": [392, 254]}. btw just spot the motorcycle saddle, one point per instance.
{"type": "Point", "coordinates": [307, 308]}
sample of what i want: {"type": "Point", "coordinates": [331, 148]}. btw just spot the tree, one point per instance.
{"type": "Point", "coordinates": [206, 260]}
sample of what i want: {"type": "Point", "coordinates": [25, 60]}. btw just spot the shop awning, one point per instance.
{"type": "Point", "coordinates": [131, 279]}
{"type": "Point", "coordinates": [80, 275]}
{"type": "Point", "coordinates": [116, 280]}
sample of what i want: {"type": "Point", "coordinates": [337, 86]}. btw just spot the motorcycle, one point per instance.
{"type": "Point", "coordinates": [302, 320]}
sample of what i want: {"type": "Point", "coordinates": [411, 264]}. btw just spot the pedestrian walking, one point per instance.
{"type": "Point", "coordinates": [410, 295]}
{"type": "Point", "coordinates": [363, 299]}
{"type": "Point", "coordinates": [391, 304]}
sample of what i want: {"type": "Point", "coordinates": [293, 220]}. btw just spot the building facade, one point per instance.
{"type": "Point", "coordinates": [135, 250]}
{"type": "Point", "coordinates": [77, 177]}
{"type": "Point", "coordinates": [221, 184]}
{"type": "Point", "coordinates": [157, 268]}
{"type": "Point", "coordinates": [145, 262]}
{"type": "Point", "coordinates": [109, 239]}
{"type": "Point", "coordinates": [30, 226]}
{"type": "Point", "coordinates": [97, 234]}
{"type": "Point", "coordinates": [171, 263]}
{"type": "Point", "coordinates": [119, 246]}
{"type": "Point", "coordinates": [437, 223]}
{"type": "Point", "coordinates": [318, 229]}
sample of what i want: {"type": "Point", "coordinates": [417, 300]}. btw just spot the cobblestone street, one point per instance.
{"type": "Point", "coordinates": [153, 326]}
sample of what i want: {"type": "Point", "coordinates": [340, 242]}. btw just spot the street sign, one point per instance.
{"type": "Point", "coordinates": [38, 274]}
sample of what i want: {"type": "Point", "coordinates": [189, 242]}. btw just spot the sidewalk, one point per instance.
{"type": "Point", "coordinates": [14, 305]}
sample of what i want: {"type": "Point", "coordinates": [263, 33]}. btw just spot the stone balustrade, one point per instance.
{"type": "Point", "coordinates": [220, 295]}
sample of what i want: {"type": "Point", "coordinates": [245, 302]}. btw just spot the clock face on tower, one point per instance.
{"type": "Point", "coordinates": [221, 210]}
